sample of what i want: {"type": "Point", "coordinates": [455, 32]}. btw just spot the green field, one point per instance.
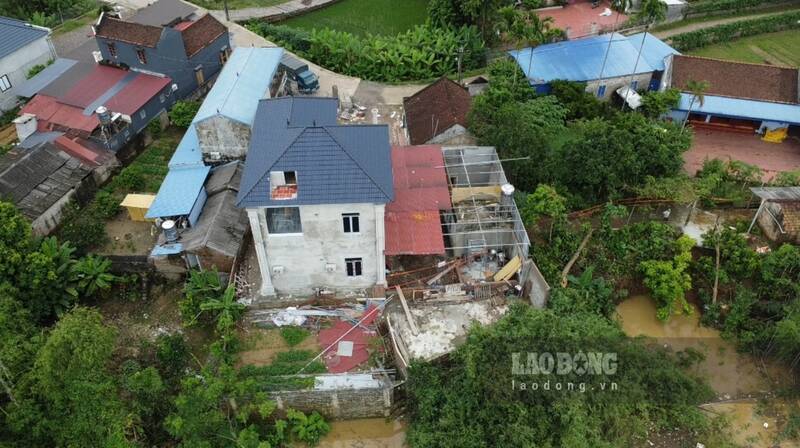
{"type": "Point", "coordinates": [360, 17]}
{"type": "Point", "coordinates": [782, 48]}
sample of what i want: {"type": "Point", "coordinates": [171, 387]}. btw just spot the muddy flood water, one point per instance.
{"type": "Point", "coordinates": [737, 378]}
{"type": "Point", "coordinates": [365, 433]}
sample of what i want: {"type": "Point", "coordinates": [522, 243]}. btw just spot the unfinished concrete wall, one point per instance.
{"type": "Point", "coordinates": [342, 404]}
{"type": "Point", "coordinates": [612, 84]}
{"type": "Point", "coordinates": [219, 134]}
{"type": "Point", "coordinates": [304, 257]}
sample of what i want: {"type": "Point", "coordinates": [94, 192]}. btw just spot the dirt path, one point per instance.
{"type": "Point", "coordinates": [710, 23]}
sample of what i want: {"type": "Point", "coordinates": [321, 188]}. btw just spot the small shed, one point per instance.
{"type": "Point", "coordinates": [138, 205]}
{"type": "Point", "coordinates": [779, 213]}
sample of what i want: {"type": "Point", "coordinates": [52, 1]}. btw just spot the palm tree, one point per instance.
{"type": "Point", "coordinates": [226, 308]}
{"type": "Point", "coordinates": [697, 89]}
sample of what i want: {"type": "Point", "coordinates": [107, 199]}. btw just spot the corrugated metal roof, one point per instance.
{"type": "Point", "coordinates": [32, 86]}
{"type": "Point", "coordinates": [581, 59]}
{"type": "Point", "coordinates": [188, 152]}
{"type": "Point", "coordinates": [163, 12]}
{"type": "Point", "coordinates": [92, 86]}
{"type": "Point", "coordinates": [178, 192]}
{"type": "Point", "coordinates": [334, 164]}
{"type": "Point", "coordinates": [243, 81]}
{"type": "Point", "coordinates": [15, 34]}
{"type": "Point", "coordinates": [740, 108]}
{"type": "Point", "coordinates": [413, 233]}
{"type": "Point", "coordinates": [777, 194]}
{"type": "Point", "coordinates": [655, 50]}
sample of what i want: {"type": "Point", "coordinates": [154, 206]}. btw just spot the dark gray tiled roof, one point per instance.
{"type": "Point", "coordinates": [334, 164]}
{"type": "Point", "coordinates": [15, 34]}
{"type": "Point", "coordinates": [163, 12]}
{"type": "Point", "coordinates": [34, 179]}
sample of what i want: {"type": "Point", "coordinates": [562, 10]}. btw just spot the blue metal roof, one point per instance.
{"type": "Point", "coordinates": [654, 51]}
{"type": "Point", "coordinates": [242, 82]}
{"type": "Point", "coordinates": [166, 249]}
{"type": "Point", "coordinates": [178, 192]}
{"type": "Point", "coordinates": [188, 152]}
{"type": "Point", "coordinates": [739, 108]}
{"type": "Point", "coordinates": [334, 164]}
{"type": "Point", "coordinates": [582, 59]}
{"type": "Point", "coordinates": [15, 34]}
{"type": "Point", "coordinates": [42, 79]}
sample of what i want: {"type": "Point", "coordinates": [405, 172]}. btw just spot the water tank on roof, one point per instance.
{"type": "Point", "coordinates": [508, 194]}
{"type": "Point", "coordinates": [103, 115]}
{"type": "Point", "coordinates": [170, 231]}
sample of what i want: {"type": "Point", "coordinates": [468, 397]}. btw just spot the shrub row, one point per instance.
{"type": "Point", "coordinates": [422, 52]}
{"type": "Point", "coordinates": [724, 33]}
{"type": "Point", "coordinates": [709, 6]}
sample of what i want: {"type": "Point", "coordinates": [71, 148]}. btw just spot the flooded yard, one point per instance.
{"type": "Point", "coordinates": [365, 433]}
{"type": "Point", "coordinates": [745, 384]}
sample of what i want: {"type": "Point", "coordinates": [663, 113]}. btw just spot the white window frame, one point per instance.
{"type": "Point", "coordinates": [348, 219]}
{"type": "Point", "coordinates": [357, 264]}
{"type": "Point", "coordinates": [5, 83]}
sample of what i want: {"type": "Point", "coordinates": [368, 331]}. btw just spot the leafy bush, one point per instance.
{"type": "Point", "coordinates": [201, 286]}
{"type": "Point", "coordinates": [106, 204]}
{"type": "Point", "coordinates": [130, 179]}
{"type": "Point", "coordinates": [293, 39]}
{"type": "Point", "coordinates": [83, 230]}
{"type": "Point", "coordinates": [729, 6]}
{"type": "Point", "coordinates": [656, 104]}
{"type": "Point", "coordinates": [294, 335]}
{"type": "Point", "coordinates": [726, 32]}
{"type": "Point", "coordinates": [183, 112]}
{"type": "Point", "coordinates": [307, 428]}
{"type": "Point", "coordinates": [422, 52]}
{"type": "Point", "coordinates": [579, 102]}
{"type": "Point", "coordinates": [668, 281]}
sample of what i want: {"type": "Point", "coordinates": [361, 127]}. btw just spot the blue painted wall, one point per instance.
{"type": "Point", "coordinates": [169, 58]}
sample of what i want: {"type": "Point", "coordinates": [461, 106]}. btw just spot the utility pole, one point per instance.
{"type": "Point", "coordinates": [460, 58]}
{"type": "Point", "coordinates": [225, 5]}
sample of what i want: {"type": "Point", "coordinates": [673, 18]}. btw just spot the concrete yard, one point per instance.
{"type": "Point", "coordinates": [770, 157]}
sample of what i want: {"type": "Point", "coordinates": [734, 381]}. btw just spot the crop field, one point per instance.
{"type": "Point", "coordinates": [782, 48]}
{"type": "Point", "coordinates": [361, 17]}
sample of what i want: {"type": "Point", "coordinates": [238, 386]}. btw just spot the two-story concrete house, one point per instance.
{"type": "Point", "coordinates": [169, 39]}
{"type": "Point", "coordinates": [22, 46]}
{"type": "Point", "coordinates": [315, 193]}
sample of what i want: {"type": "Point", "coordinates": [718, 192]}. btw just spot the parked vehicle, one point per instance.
{"type": "Point", "coordinates": [302, 79]}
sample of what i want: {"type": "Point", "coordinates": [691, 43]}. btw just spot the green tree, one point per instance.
{"type": "Point", "coordinates": [200, 287]}
{"type": "Point", "coordinates": [668, 281]}
{"type": "Point", "coordinates": [656, 103]}
{"type": "Point", "coordinates": [15, 241]}
{"type": "Point", "coordinates": [697, 89]}
{"type": "Point", "coordinates": [183, 112]}
{"type": "Point", "coordinates": [652, 11]}
{"type": "Point", "coordinates": [49, 279]}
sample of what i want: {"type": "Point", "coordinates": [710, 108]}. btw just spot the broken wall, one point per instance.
{"type": "Point", "coordinates": [219, 134]}
{"type": "Point", "coordinates": [341, 404]}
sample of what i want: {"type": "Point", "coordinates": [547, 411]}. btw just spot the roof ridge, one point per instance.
{"type": "Point", "coordinates": [242, 193]}
{"type": "Point", "coordinates": [346, 151]}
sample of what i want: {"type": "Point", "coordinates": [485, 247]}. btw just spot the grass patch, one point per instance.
{"type": "Point", "coordinates": [294, 335]}
{"type": "Point", "coordinates": [74, 24]}
{"type": "Point", "coordinates": [238, 4]}
{"type": "Point", "coordinates": [781, 48]}
{"type": "Point", "coordinates": [362, 17]}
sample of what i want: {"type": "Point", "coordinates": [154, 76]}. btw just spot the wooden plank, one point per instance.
{"type": "Point", "coordinates": [8, 134]}
{"type": "Point", "coordinates": [508, 270]}
{"type": "Point", "coordinates": [443, 273]}
{"type": "Point", "coordinates": [410, 318]}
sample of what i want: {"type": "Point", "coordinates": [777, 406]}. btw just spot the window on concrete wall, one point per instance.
{"type": "Point", "coordinates": [601, 91]}
{"type": "Point", "coordinates": [635, 84]}
{"type": "Point", "coordinates": [112, 50]}
{"type": "Point", "coordinates": [141, 56]}
{"type": "Point", "coordinates": [5, 84]}
{"type": "Point", "coordinates": [282, 220]}
{"type": "Point", "coordinates": [353, 266]}
{"type": "Point", "coordinates": [198, 75]}
{"type": "Point", "coordinates": [350, 223]}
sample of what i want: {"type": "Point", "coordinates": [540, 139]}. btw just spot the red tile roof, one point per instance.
{"type": "Point", "coordinates": [435, 109]}
{"type": "Point", "coordinates": [737, 79]}
{"type": "Point", "coordinates": [132, 33]}
{"type": "Point", "coordinates": [202, 32]}
{"type": "Point", "coordinates": [412, 220]}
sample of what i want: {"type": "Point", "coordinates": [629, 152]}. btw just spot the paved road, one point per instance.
{"type": "Point", "coordinates": [290, 8]}
{"type": "Point", "coordinates": [710, 23]}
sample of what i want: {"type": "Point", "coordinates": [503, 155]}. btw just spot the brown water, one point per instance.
{"type": "Point", "coordinates": [730, 374]}
{"type": "Point", "coordinates": [365, 433]}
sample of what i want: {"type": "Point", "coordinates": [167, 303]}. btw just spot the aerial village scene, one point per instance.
{"type": "Point", "coordinates": [400, 223]}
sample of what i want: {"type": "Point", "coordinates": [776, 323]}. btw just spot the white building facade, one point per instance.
{"type": "Point", "coordinates": [22, 46]}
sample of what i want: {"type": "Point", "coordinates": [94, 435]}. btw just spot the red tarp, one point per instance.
{"type": "Point", "coordinates": [420, 189]}
{"type": "Point", "coordinates": [359, 337]}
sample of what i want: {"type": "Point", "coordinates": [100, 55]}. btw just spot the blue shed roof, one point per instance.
{"type": "Point", "coordinates": [242, 82]}
{"type": "Point", "coordinates": [188, 152]}
{"type": "Point", "coordinates": [582, 59]}
{"type": "Point", "coordinates": [740, 108]}
{"type": "Point", "coordinates": [334, 164]}
{"type": "Point", "coordinates": [15, 34]}
{"type": "Point", "coordinates": [654, 51]}
{"type": "Point", "coordinates": [178, 192]}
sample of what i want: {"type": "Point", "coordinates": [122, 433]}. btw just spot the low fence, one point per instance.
{"type": "Point", "coordinates": [344, 403]}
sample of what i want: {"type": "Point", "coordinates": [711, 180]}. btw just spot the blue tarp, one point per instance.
{"type": "Point", "coordinates": [740, 108]}
{"type": "Point", "coordinates": [178, 192]}
{"type": "Point", "coordinates": [166, 249]}
{"type": "Point", "coordinates": [242, 82]}
{"type": "Point", "coordinates": [585, 59]}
